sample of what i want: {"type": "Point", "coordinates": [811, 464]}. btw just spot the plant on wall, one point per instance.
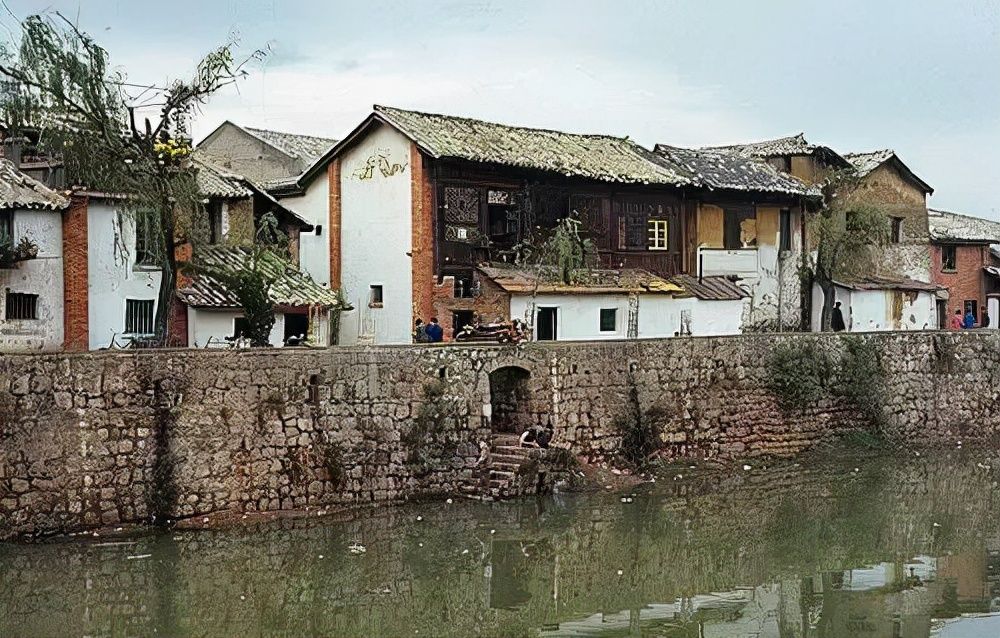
{"type": "Point", "coordinates": [798, 374]}
{"type": "Point", "coordinates": [12, 253]}
{"type": "Point", "coordinates": [426, 440]}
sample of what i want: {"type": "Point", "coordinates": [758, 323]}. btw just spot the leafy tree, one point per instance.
{"type": "Point", "coordinates": [117, 137]}
{"type": "Point", "coordinates": [846, 237]}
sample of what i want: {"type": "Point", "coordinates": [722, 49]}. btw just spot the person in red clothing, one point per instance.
{"type": "Point", "coordinates": [956, 320]}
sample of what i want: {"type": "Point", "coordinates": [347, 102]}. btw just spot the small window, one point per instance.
{"type": "Point", "coordinates": [740, 228]}
{"type": "Point", "coordinates": [319, 230]}
{"type": "Point", "coordinates": [896, 236]}
{"type": "Point", "coordinates": [375, 297]}
{"type": "Point", "coordinates": [215, 223]}
{"type": "Point", "coordinates": [7, 227]}
{"type": "Point", "coordinates": [144, 237]}
{"type": "Point", "coordinates": [609, 319]}
{"type": "Point", "coordinates": [463, 286]}
{"type": "Point", "coordinates": [948, 260]}
{"type": "Point", "coordinates": [139, 316]}
{"type": "Point", "coordinates": [21, 306]}
{"type": "Point", "coordinates": [657, 235]}
{"type": "Point", "coordinates": [785, 228]}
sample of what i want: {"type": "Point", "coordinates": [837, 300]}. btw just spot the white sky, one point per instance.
{"type": "Point", "coordinates": [918, 76]}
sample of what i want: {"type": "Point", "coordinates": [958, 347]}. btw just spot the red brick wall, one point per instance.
{"type": "Point", "coordinates": [422, 239]}
{"type": "Point", "coordinates": [490, 304]}
{"type": "Point", "coordinates": [177, 330]}
{"type": "Point", "coordinates": [333, 228]}
{"type": "Point", "coordinates": [967, 281]}
{"type": "Point", "coordinates": [76, 308]}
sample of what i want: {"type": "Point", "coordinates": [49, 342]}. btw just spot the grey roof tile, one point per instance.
{"type": "Point", "coordinates": [292, 287]}
{"type": "Point", "coordinates": [946, 226]}
{"type": "Point", "coordinates": [214, 181]}
{"type": "Point", "coordinates": [714, 288]}
{"type": "Point", "coordinates": [865, 163]}
{"type": "Point", "coordinates": [305, 147]}
{"type": "Point", "coordinates": [598, 157]}
{"type": "Point", "coordinates": [725, 169]}
{"type": "Point", "coordinates": [18, 190]}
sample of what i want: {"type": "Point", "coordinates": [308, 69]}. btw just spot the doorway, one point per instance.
{"type": "Point", "coordinates": [547, 324]}
{"type": "Point", "coordinates": [509, 400]}
{"type": "Point", "coordinates": [942, 314]}
{"type": "Point", "coordinates": [459, 320]}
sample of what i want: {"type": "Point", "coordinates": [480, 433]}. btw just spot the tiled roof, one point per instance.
{"type": "Point", "coordinates": [545, 280]}
{"type": "Point", "coordinates": [292, 287]}
{"type": "Point", "coordinates": [17, 190]}
{"type": "Point", "coordinates": [865, 163]}
{"type": "Point", "coordinates": [725, 169]}
{"type": "Point", "coordinates": [884, 283]}
{"type": "Point", "coordinates": [715, 288]}
{"type": "Point", "coordinates": [304, 147]}
{"type": "Point", "coordinates": [791, 145]}
{"type": "Point", "coordinates": [945, 226]}
{"type": "Point", "coordinates": [599, 157]}
{"type": "Point", "coordinates": [217, 182]}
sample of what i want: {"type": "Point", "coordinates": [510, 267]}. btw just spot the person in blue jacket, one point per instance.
{"type": "Point", "coordinates": [435, 333]}
{"type": "Point", "coordinates": [970, 320]}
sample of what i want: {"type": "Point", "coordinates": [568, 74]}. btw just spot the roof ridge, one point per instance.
{"type": "Point", "coordinates": [256, 129]}
{"type": "Point", "coordinates": [379, 108]}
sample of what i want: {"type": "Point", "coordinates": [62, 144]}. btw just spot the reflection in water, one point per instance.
{"type": "Point", "coordinates": [897, 549]}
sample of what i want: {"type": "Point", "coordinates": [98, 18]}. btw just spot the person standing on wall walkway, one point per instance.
{"type": "Point", "coordinates": [956, 320]}
{"type": "Point", "coordinates": [435, 333]}
{"type": "Point", "coordinates": [985, 314]}
{"type": "Point", "coordinates": [837, 320]}
{"type": "Point", "coordinates": [970, 320]}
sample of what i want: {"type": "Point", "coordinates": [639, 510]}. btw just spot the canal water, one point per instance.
{"type": "Point", "coordinates": [905, 547]}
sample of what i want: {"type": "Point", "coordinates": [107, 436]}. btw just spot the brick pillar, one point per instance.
{"type": "Point", "coordinates": [422, 240]}
{"type": "Point", "coordinates": [333, 228]}
{"type": "Point", "coordinates": [178, 320]}
{"type": "Point", "coordinates": [76, 324]}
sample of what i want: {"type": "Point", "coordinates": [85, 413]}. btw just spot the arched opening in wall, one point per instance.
{"type": "Point", "coordinates": [509, 400]}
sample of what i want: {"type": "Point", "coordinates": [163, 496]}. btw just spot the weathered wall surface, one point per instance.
{"type": "Point", "coordinates": [105, 438]}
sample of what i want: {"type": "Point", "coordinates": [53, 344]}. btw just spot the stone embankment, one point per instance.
{"type": "Point", "coordinates": [112, 438]}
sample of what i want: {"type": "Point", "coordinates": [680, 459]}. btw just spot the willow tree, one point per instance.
{"type": "Point", "coordinates": [127, 140]}
{"type": "Point", "coordinates": [847, 238]}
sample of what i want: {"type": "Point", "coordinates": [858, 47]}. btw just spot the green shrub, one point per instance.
{"type": "Point", "coordinates": [798, 374]}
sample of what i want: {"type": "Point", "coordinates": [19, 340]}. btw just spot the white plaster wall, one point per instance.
{"type": "Point", "coordinates": [579, 316]}
{"type": "Point", "coordinates": [314, 250]}
{"type": "Point", "coordinates": [871, 310]}
{"type": "Point", "coordinates": [376, 221]}
{"type": "Point", "coordinates": [660, 315]}
{"type": "Point", "coordinates": [205, 324]}
{"type": "Point", "coordinates": [112, 276]}
{"type": "Point", "coordinates": [714, 318]}
{"type": "Point", "coordinates": [42, 276]}
{"type": "Point", "coordinates": [868, 310]}
{"type": "Point", "coordinates": [992, 307]}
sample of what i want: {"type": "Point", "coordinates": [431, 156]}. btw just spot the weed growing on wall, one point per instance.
{"type": "Point", "coordinates": [798, 374]}
{"type": "Point", "coordinates": [425, 441]}
{"type": "Point", "coordinates": [862, 379]}
{"type": "Point", "coordinates": [640, 430]}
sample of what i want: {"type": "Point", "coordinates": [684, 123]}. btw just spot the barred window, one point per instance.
{"type": "Point", "coordinates": [139, 316]}
{"type": "Point", "coordinates": [21, 306]}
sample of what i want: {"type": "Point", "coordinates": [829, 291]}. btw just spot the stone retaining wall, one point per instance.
{"type": "Point", "coordinates": [107, 438]}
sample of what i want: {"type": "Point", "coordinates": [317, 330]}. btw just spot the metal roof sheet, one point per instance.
{"type": "Point", "coordinates": [714, 288]}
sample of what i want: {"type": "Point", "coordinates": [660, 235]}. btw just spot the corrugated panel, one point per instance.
{"type": "Point", "coordinates": [713, 288]}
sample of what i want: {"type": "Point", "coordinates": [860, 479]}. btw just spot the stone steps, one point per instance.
{"type": "Point", "coordinates": [506, 459]}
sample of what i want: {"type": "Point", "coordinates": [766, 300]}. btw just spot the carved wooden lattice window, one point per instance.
{"type": "Point", "coordinates": [461, 206]}
{"type": "Point", "coordinates": [588, 208]}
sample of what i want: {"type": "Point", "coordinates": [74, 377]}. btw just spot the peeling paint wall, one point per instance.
{"type": "Point", "coordinates": [878, 310]}
{"type": "Point", "coordinates": [42, 276]}
{"type": "Point", "coordinates": [113, 274]}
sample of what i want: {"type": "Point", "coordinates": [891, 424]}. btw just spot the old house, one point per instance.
{"type": "Point", "coordinates": [418, 201]}
{"type": "Point", "coordinates": [901, 272]}
{"type": "Point", "coordinates": [963, 264]}
{"type": "Point", "coordinates": [602, 304]}
{"type": "Point", "coordinates": [275, 160]}
{"type": "Point", "coordinates": [31, 262]}
{"type": "Point", "coordinates": [122, 274]}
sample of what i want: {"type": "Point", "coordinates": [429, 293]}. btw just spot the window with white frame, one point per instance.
{"type": "Point", "coordinates": [658, 234]}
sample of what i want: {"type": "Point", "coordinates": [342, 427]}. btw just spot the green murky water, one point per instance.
{"type": "Point", "coordinates": [899, 548]}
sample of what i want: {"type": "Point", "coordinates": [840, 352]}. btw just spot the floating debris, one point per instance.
{"type": "Point", "coordinates": [420, 518]}
{"type": "Point", "coordinates": [448, 501]}
{"type": "Point", "coordinates": [138, 556]}
{"type": "Point", "coordinates": [747, 467]}
{"type": "Point", "coordinates": [357, 548]}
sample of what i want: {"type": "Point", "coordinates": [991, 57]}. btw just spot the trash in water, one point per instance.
{"type": "Point", "coordinates": [747, 467]}
{"type": "Point", "coordinates": [138, 556]}
{"type": "Point", "coordinates": [420, 518]}
{"type": "Point", "coordinates": [464, 552]}
{"type": "Point", "coordinates": [620, 572]}
{"type": "Point", "coordinates": [357, 548]}
{"type": "Point", "coordinates": [448, 501]}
